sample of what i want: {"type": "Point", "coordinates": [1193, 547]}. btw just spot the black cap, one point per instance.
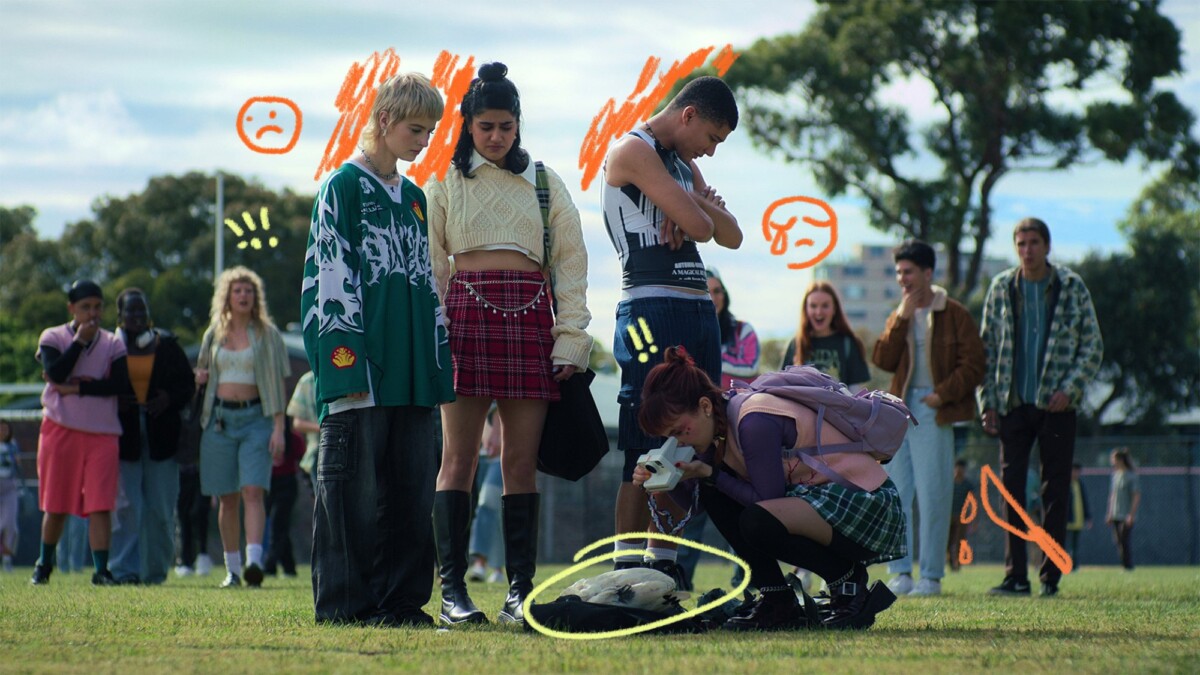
{"type": "Point", "coordinates": [84, 288]}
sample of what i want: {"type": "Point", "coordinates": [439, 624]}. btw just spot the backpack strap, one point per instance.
{"type": "Point", "coordinates": [542, 189]}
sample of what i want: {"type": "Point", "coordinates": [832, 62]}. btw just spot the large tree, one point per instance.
{"type": "Point", "coordinates": [1148, 304]}
{"type": "Point", "coordinates": [1002, 76]}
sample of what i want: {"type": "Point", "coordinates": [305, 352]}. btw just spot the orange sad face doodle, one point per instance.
{"type": "Point", "coordinates": [789, 226]}
{"type": "Point", "coordinates": [269, 124]}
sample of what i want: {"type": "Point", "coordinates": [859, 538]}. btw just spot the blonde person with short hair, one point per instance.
{"type": "Point", "coordinates": [381, 362]}
{"type": "Point", "coordinates": [243, 361]}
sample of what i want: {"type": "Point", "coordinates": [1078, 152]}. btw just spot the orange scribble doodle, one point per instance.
{"type": "Point", "coordinates": [1033, 532]}
{"type": "Point", "coordinates": [454, 82]}
{"type": "Point", "coordinates": [777, 232]}
{"type": "Point", "coordinates": [612, 122]}
{"type": "Point", "coordinates": [354, 100]}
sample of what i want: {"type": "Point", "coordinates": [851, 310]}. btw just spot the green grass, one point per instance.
{"type": "Point", "coordinates": [1103, 621]}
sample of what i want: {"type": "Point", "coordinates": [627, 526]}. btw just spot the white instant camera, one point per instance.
{"type": "Point", "coordinates": [661, 465]}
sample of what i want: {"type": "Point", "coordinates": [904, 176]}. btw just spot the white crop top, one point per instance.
{"type": "Point", "coordinates": [236, 367]}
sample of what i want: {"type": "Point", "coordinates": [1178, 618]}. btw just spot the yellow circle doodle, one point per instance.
{"type": "Point", "coordinates": [612, 555]}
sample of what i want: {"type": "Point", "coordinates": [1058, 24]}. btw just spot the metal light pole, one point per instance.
{"type": "Point", "coordinates": [219, 260]}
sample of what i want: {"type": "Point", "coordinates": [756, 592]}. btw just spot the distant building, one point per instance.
{"type": "Point", "coordinates": [866, 280]}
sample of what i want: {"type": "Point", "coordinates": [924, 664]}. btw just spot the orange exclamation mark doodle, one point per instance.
{"type": "Point", "coordinates": [970, 509]}
{"type": "Point", "coordinates": [637, 340]}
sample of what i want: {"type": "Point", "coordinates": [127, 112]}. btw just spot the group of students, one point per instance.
{"type": "Point", "coordinates": [471, 292]}
{"type": "Point", "coordinates": [111, 429]}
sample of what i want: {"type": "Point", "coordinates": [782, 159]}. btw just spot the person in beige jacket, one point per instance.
{"type": "Point", "coordinates": [932, 346]}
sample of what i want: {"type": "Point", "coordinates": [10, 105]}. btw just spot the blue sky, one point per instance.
{"type": "Point", "coordinates": [97, 97]}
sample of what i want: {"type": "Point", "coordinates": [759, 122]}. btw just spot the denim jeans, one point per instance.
{"type": "Point", "coordinates": [669, 322]}
{"type": "Point", "coordinates": [924, 464]}
{"type": "Point", "coordinates": [372, 523]}
{"type": "Point", "coordinates": [143, 546]}
{"type": "Point", "coordinates": [486, 535]}
{"type": "Point", "coordinates": [74, 553]}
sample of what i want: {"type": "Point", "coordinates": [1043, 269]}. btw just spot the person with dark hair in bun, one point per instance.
{"type": "Point", "coordinates": [657, 206]}
{"type": "Point", "coordinates": [85, 370]}
{"type": "Point", "coordinates": [769, 507]}
{"type": "Point", "coordinates": [512, 230]}
{"type": "Point", "coordinates": [161, 384]}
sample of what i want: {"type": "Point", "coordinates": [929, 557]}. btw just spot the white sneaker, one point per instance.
{"type": "Point", "coordinates": [204, 565]}
{"type": "Point", "coordinates": [477, 572]}
{"type": "Point", "coordinates": [183, 571]}
{"type": "Point", "coordinates": [927, 587]}
{"type": "Point", "coordinates": [901, 584]}
{"type": "Point", "coordinates": [497, 577]}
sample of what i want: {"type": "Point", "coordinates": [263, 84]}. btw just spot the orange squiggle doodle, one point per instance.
{"type": "Point", "coordinates": [454, 82]}
{"type": "Point", "coordinates": [1033, 532]}
{"type": "Point", "coordinates": [612, 123]}
{"type": "Point", "coordinates": [970, 509]}
{"type": "Point", "coordinates": [777, 233]}
{"type": "Point", "coordinates": [355, 99]}
{"type": "Point", "coordinates": [965, 555]}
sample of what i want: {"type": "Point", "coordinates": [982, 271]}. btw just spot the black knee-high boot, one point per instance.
{"type": "Point", "coordinates": [451, 530]}
{"type": "Point", "coordinates": [519, 514]}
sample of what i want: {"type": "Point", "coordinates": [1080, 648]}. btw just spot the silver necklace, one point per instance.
{"type": "Point", "coordinates": [385, 176]}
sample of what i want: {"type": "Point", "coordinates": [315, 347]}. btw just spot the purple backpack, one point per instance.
{"type": "Point", "coordinates": [874, 421]}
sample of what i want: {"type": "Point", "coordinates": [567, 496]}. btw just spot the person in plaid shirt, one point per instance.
{"type": "Point", "coordinates": [1043, 346]}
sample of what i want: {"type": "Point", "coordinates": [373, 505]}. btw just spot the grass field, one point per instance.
{"type": "Point", "coordinates": [1103, 621]}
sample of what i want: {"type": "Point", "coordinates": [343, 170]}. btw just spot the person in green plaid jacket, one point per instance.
{"type": "Point", "coordinates": [1043, 346]}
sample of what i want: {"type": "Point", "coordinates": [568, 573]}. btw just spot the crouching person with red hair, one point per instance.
{"type": "Point", "coordinates": [771, 508]}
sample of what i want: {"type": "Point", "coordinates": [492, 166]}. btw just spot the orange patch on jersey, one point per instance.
{"type": "Point", "coordinates": [343, 357]}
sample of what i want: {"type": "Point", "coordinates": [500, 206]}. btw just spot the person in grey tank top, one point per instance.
{"type": "Point", "coordinates": [657, 208]}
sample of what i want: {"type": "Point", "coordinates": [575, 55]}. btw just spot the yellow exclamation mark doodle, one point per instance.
{"type": "Point", "coordinates": [254, 242]}
{"type": "Point", "coordinates": [637, 341]}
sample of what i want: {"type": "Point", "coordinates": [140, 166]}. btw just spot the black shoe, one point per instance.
{"type": "Point", "coordinates": [519, 516]}
{"type": "Point", "coordinates": [104, 578]}
{"type": "Point", "coordinates": [852, 605]}
{"type": "Point", "coordinates": [778, 610]}
{"type": "Point", "coordinates": [451, 533]}
{"type": "Point", "coordinates": [1011, 586]}
{"type": "Point", "coordinates": [41, 575]}
{"type": "Point", "coordinates": [253, 575]}
{"type": "Point", "coordinates": [410, 619]}
{"type": "Point", "coordinates": [231, 581]}
{"type": "Point", "coordinates": [627, 565]}
{"type": "Point", "coordinates": [1049, 590]}
{"type": "Point", "coordinates": [673, 570]}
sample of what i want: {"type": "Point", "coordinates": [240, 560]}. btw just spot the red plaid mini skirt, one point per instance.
{"type": "Point", "coordinates": [500, 339]}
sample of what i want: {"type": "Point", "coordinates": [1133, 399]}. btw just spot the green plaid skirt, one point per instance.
{"type": "Point", "coordinates": [873, 520]}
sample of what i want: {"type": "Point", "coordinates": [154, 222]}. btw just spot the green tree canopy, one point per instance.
{"type": "Point", "coordinates": [161, 240]}
{"type": "Point", "coordinates": [997, 72]}
{"type": "Point", "coordinates": [1148, 305]}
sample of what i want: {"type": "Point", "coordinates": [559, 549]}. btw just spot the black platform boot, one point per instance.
{"type": "Point", "coordinates": [852, 605]}
{"type": "Point", "coordinates": [519, 513]}
{"type": "Point", "coordinates": [451, 530]}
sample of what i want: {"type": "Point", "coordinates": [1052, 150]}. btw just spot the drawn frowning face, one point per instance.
{"type": "Point", "coordinates": [269, 124]}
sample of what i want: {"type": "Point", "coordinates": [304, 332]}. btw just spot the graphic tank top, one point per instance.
{"type": "Point", "coordinates": [633, 224]}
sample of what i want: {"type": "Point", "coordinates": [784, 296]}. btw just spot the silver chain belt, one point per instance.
{"type": "Point", "coordinates": [504, 311]}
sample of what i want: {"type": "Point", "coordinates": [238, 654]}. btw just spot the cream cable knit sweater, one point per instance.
{"type": "Point", "coordinates": [499, 207]}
